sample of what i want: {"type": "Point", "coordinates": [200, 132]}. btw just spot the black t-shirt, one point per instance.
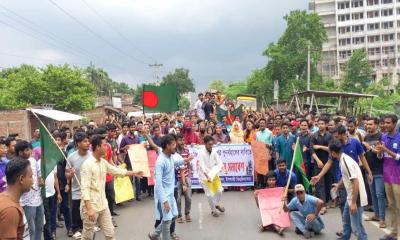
{"type": "Point", "coordinates": [324, 140]}
{"type": "Point", "coordinates": [375, 164]}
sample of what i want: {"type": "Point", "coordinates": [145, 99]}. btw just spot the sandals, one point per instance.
{"type": "Point", "coordinates": [179, 220]}
{"type": "Point", "coordinates": [372, 219]}
{"type": "Point", "coordinates": [174, 236]}
{"type": "Point", "coordinates": [323, 211]}
{"type": "Point", "coordinates": [188, 218]}
{"type": "Point", "coordinates": [382, 224]}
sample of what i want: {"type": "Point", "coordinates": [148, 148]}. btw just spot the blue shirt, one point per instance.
{"type": "Point", "coordinates": [309, 206]}
{"type": "Point", "coordinates": [164, 177]}
{"type": "Point", "coordinates": [264, 136]}
{"type": "Point", "coordinates": [3, 164]}
{"type": "Point", "coordinates": [281, 179]}
{"type": "Point", "coordinates": [353, 148]}
{"type": "Point", "coordinates": [283, 146]}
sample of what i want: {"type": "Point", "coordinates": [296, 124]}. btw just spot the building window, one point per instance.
{"type": "Point", "coordinates": [344, 30]}
{"type": "Point", "coordinates": [343, 17]}
{"type": "Point", "coordinates": [343, 5]}
{"type": "Point", "coordinates": [372, 2]}
{"type": "Point", "coordinates": [387, 1]}
{"type": "Point", "coordinates": [375, 63]}
{"type": "Point", "coordinates": [374, 51]}
{"type": "Point", "coordinates": [373, 14]}
{"type": "Point", "coordinates": [344, 41]}
{"type": "Point", "coordinates": [387, 25]}
{"type": "Point", "coordinates": [358, 28]}
{"type": "Point", "coordinates": [387, 12]}
{"type": "Point", "coordinates": [388, 49]}
{"type": "Point", "coordinates": [358, 40]}
{"type": "Point", "coordinates": [373, 26]}
{"type": "Point", "coordinates": [387, 37]}
{"type": "Point", "coordinates": [398, 11]}
{"type": "Point", "coordinates": [356, 16]}
{"type": "Point", "coordinates": [372, 39]}
{"type": "Point", "coordinates": [355, 4]}
{"type": "Point", "coordinates": [344, 54]}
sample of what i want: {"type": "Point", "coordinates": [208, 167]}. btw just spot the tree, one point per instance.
{"type": "Point", "coordinates": [235, 88]}
{"type": "Point", "coordinates": [184, 104]}
{"type": "Point", "coordinates": [288, 57]}
{"type": "Point", "coordinates": [218, 85]}
{"type": "Point", "coordinates": [180, 77]}
{"type": "Point", "coordinates": [68, 89]}
{"type": "Point", "coordinates": [100, 79]}
{"type": "Point", "coordinates": [358, 73]}
{"type": "Point", "coordinates": [259, 84]}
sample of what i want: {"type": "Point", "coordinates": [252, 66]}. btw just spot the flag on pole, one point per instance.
{"type": "Point", "coordinates": [162, 98]}
{"type": "Point", "coordinates": [51, 153]}
{"type": "Point", "coordinates": [299, 164]}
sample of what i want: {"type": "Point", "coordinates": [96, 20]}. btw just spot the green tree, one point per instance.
{"type": "Point", "coordinates": [259, 84]}
{"type": "Point", "coordinates": [68, 89]}
{"type": "Point", "coordinates": [184, 103]}
{"type": "Point", "coordinates": [180, 77]}
{"type": "Point", "coordinates": [288, 57]}
{"type": "Point", "coordinates": [218, 85]}
{"type": "Point", "coordinates": [100, 79]}
{"type": "Point", "coordinates": [235, 88]}
{"type": "Point", "coordinates": [358, 73]}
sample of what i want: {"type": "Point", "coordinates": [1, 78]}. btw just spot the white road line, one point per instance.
{"type": "Point", "coordinates": [376, 224]}
{"type": "Point", "coordinates": [200, 206]}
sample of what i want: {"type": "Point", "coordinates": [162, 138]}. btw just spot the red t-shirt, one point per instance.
{"type": "Point", "coordinates": [108, 158]}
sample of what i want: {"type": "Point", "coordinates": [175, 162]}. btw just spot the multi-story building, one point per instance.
{"type": "Point", "coordinates": [352, 24]}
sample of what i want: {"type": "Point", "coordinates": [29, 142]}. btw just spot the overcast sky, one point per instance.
{"type": "Point", "coordinates": [214, 39]}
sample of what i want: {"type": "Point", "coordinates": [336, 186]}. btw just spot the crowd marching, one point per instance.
{"type": "Point", "coordinates": [351, 162]}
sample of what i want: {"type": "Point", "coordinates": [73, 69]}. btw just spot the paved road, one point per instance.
{"type": "Point", "coordinates": [239, 222]}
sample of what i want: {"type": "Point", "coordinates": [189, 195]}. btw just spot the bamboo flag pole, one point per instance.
{"type": "Point", "coordinates": [54, 141]}
{"type": "Point", "coordinates": [290, 172]}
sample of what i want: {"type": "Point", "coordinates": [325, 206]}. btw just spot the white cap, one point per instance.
{"type": "Point", "coordinates": [299, 188]}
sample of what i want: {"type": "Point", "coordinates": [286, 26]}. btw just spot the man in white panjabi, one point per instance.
{"type": "Point", "coordinates": [209, 166]}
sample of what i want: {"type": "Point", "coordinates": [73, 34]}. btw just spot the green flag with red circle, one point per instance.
{"type": "Point", "coordinates": [162, 98]}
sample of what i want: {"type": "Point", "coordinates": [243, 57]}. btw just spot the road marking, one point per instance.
{"type": "Point", "coordinates": [200, 216]}
{"type": "Point", "coordinates": [376, 224]}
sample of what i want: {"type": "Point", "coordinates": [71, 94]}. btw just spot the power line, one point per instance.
{"type": "Point", "coordinates": [29, 57]}
{"type": "Point", "coordinates": [115, 29]}
{"type": "Point", "coordinates": [87, 28]}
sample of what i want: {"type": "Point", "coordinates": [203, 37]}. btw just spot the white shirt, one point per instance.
{"type": "Point", "coordinates": [33, 197]}
{"type": "Point", "coordinates": [50, 189]}
{"type": "Point", "coordinates": [199, 109]}
{"type": "Point", "coordinates": [209, 163]}
{"type": "Point", "coordinates": [351, 170]}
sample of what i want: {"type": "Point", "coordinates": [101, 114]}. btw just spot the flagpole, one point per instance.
{"type": "Point", "coordinates": [291, 171]}
{"type": "Point", "coordinates": [54, 141]}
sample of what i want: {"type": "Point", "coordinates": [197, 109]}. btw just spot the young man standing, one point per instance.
{"type": "Point", "coordinates": [210, 166]}
{"type": "Point", "coordinates": [377, 187]}
{"type": "Point", "coordinates": [304, 212]}
{"type": "Point", "coordinates": [93, 180]}
{"type": "Point", "coordinates": [12, 218]}
{"type": "Point", "coordinates": [283, 146]}
{"type": "Point", "coordinates": [199, 107]}
{"type": "Point", "coordinates": [356, 194]}
{"type": "Point", "coordinates": [76, 159]}
{"type": "Point", "coordinates": [31, 201]}
{"type": "Point", "coordinates": [164, 176]}
{"type": "Point", "coordinates": [390, 151]}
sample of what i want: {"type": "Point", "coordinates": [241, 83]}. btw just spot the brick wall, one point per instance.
{"type": "Point", "coordinates": [15, 121]}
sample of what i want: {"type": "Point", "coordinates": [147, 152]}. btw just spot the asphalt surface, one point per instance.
{"type": "Point", "coordinates": [240, 221]}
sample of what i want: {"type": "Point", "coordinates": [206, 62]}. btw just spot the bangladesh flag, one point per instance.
{"type": "Point", "coordinates": [160, 98]}
{"type": "Point", "coordinates": [299, 164]}
{"type": "Point", "coordinates": [51, 153]}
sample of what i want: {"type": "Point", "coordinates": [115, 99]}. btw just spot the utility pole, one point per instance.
{"type": "Point", "coordinates": [156, 68]}
{"type": "Point", "coordinates": [308, 70]}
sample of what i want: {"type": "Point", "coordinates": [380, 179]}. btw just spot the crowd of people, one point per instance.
{"type": "Point", "coordinates": [352, 163]}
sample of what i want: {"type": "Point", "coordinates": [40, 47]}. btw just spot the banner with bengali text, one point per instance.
{"type": "Point", "coordinates": [237, 160]}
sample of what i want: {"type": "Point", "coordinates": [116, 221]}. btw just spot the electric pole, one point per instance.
{"type": "Point", "coordinates": [156, 68]}
{"type": "Point", "coordinates": [308, 70]}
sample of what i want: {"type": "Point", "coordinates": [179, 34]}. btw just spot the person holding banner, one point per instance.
{"type": "Point", "coordinates": [271, 183]}
{"type": "Point", "coordinates": [304, 212]}
{"type": "Point", "coordinates": [210, 166]}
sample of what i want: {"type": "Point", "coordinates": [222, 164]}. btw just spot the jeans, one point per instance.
{"type": "Point", "coordinates": [34, 217]}
{"type": "Point", "coordinates": [377, 189]}
{"type": "Point", "coordinates": [64, 209]}
{"type": "Point", "coordinates": [110, 195]}
{"type": "Point", "coordinates": [187, 195]}
{"type": "Point", "coordinates": [303, 225]}
{"type": "Point", "coordinates": [353, 223]}
{"type": "Point", "coordinates": [76, 216]}
{"type": "Point", "coordinates": [163, 230]}
{"type": "Point", "coordinates": [323, 187]}
{"type": "Point", "coordinates": [50, 214]}
{"type": "Point", "coordinates": [137, 188]}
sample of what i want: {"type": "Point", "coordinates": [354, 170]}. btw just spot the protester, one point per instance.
{"type": "Point", "coordinates": [165, 203]}
{"type": "Point", "coordinates": [3, 164]}
{"type": "Point", "coordinates": [209, 166]}
{"type": "Point", "coordinates": [304, 212]}
{"type": "Point", "coordinates": [284, 145]}
{"type": "Point", "coordinates": [236, 135]}
{"type": "Point", "coordinates": [13, 223]}
{"type": "Point", "coordinates": [271, 183]}
{"type": "Point", "coordinates": [220, 136]}
{"type": "Point", "coordinates": [199, 107]}
{"type": "Point", "coordinates": [31, 201]}
{"type": "Point", "coordinates": [93, 180]}
{"type": "Point", "coordinates": [389, 149]}
{"type": "Point", "coordinates": [250, 132]}
{"type": "Point", "coordinates": [282, 178]}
